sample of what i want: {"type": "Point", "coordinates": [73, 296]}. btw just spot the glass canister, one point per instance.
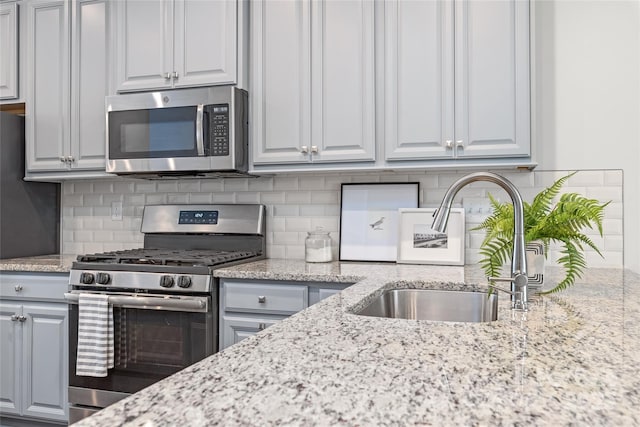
{"type": "Point", "coordinates": [317, 246]}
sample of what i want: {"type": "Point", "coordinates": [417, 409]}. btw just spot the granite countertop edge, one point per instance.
{"type": "Point", "coordinates": [572, 359]}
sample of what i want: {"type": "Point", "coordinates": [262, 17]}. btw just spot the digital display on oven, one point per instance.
{"type": "Point", "coordinates": [198, 217]}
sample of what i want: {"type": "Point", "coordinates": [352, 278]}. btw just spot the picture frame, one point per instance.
{"type": "Point", "coordinates": [369, 219]}
{"type": "Point", "coordinates": [419, 244]}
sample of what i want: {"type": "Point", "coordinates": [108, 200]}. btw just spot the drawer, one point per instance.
{"type": "Point", "coordinates": [264, 298]}
{"type": "Point", "coordinates": [34, 286]}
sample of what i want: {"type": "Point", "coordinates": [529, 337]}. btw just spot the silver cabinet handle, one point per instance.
{"type": "Point", "coordinates": [459, 143]}
{"type": "Point", "coordinates": [262, 299]}
{"type": "Point", "coordinates": [175, 74]}
{"type": "Point", "coordinates": [70, 159]}
{"type": "Point", "coordinates": [63, 159]}
{"type": "Point", "coordinates": [14, 317]}
{"type": "Point", "coordinates": [448, 143]}
{"type": "Point", "coordinates": [262, 326]}
{"type": "Point", "coordinates": [304, 149]}
{"type": "Point", "coordinates": [18, 288]}
{"type": "Point", "coordinates": [22, 318]}
{"type": "Point", "coordinates": [314, 148]}
{"type": "Point", "coordinates": [167, 76]}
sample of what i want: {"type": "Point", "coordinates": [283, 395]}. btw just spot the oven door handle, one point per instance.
{"type": "Point", "coordinates": [192, 304]}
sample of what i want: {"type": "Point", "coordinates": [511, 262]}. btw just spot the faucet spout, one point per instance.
{"type": "Point", "coordinates": [518, 279]}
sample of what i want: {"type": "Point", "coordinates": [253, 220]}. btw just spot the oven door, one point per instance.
{"type": "Point", "coordinates": [154, 336]}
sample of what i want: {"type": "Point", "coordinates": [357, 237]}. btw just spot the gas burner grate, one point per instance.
{"type": "Point", "coordinates": [168, 257]}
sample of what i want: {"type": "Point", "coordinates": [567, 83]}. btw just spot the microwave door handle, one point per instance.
{"type": "Point", "coordinates": [200, 129]}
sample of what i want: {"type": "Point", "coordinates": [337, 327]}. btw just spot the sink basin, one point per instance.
{"type": "Point", "coordinates": [431, 304]}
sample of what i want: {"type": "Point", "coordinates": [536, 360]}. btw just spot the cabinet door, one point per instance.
{"type": "Point", "coordinates": [492, 78]}
{"type": "Point", "coordinates": [11, 366]}
{"type": "Point", "coordinates": [280, 81]}
{"type": "Point", "coordinates": [89, 85]}
{"type": "Point", "coordinates": [342, 94]}
{"type": "Point", "coordinates": [8, 51]}
{"type": "Point", "coordinates": [418, 79]}
{"type": "Point", "coordinates": [45, 355]}
{"type": "Point", "coordinates": [144, 46]}
{"type": "Point", "coordinates": [235, 329]}
{"type": "Point", "coordinates": [205, 42]}
{"type": "Point", "coordinates": [47, 118]}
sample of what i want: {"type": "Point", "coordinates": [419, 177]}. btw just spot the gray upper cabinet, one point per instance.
{"type": "Point", "coordinates": [9, 55]}
{"type": "Point", "coordinates": [312, 82]}
{"type": "Point", "coordinates": [67, 82]}
{"type": "Point", "coordinates": [456, 79]}
{"type": "Point", "coordinates": [164, 44]}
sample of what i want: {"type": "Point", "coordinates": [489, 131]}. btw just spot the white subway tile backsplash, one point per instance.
{"type": "Point", "coordinates": [297, 224]}
{"type": "Point", "coordinates": [146, 187]}
{"type": "Point", "coordinates": [178, 198]}
{"type": "Point", "coordinates": [236, 184]}
{"type": "Point", "coordinates": [167, 186]}
{"type": "Point", "coordinates": [248, 197]}
{"type": "Point", "coordinates": [297, 197]}
{"type": "Point", "coordinates": [296, 204]}
{"type": "Point", "coordinates": [272, 198]}
{"type": "Point", "coordinates": [212, 186]}
{"type": "Point", "coordinates": [190, 185]}
{"type": "Point", "coordinates": [312, 210]}
{"type": "Point", "coordinates": [586, 179]}
{"type": "Point", "coordinates": [200, 198]}
{"type": "Point", "coordinates": [285, 182]}
{"type": "Point", "coordinates": [324, 197]}
{"type": "Point", "coordinates": [260, 184]}
{"type": "Point", "coordinates": [308, 182]}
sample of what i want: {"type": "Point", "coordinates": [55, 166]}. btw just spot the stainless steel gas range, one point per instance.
{"type": "Point", "coordinates": [164, 296]}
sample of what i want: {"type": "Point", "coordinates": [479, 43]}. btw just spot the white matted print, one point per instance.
{"type": "Point", "coordinates": [419, 244]}
{"type": "Point", "coordinates": [369, 219]}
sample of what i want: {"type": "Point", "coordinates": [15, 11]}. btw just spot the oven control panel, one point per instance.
{"type": "Point", "coordinates": [141, 280]}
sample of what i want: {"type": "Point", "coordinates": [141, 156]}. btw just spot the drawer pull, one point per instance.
{"type": "Point", "coordinates": [18, 288]}
{"type": "Point", "coordinates": [262, 299]}
{"type": "Point", "coordinates": [262, 326]}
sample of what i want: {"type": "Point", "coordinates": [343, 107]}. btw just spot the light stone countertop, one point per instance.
{"type": "Point", "coordinates": [573, 359]}
{"type": "Point", "coordinates": [39, 264]}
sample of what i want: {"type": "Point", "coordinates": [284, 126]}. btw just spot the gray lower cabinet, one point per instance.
{"type": "Point", "coordinates": [249, 306]}
{"type": "Point", "coordinates": [34, 351]}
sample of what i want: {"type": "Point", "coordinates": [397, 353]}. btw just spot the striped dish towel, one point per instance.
{"type": "Point", "coordinates": [95, 335]}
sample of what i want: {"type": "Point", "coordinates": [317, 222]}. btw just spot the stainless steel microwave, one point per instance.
{"type": "Point", "coordinates": [184, 132]}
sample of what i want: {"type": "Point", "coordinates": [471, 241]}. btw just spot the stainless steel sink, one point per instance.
{"type": "Point", "coordinates": [431, 304]}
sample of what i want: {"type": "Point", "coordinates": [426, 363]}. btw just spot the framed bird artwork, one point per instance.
{"type": "Point", "coordinates": [369, 219]}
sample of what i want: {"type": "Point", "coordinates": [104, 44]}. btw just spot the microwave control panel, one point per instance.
{"type": "Point", "coordinates": [218, 129]}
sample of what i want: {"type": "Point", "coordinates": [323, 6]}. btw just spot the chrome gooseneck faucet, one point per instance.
{"type": "Point", "coordinates": [518, 279]}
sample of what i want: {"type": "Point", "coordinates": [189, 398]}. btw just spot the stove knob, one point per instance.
{"type": "Point", "coordinates": [166, 281]}
{"type": "Point", "coordinates": [86, 278]}
{"type": "Point", "coordinates": [103, 278]}
{"type": "Point", "coordinates": [184, 281]}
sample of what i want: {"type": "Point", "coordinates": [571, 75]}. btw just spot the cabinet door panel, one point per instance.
{"type": "Point", "coordinates": [9, 51]}
{"type": "Point", "coordinates": [45, 351]}
{"type": "Point", "coordinates": [280, 81]}
{"type": "Point", "coordinates": [205, 42]}
{"type": "Point", "coordinates": [492, 78]}
{"type": "Point", "coordinates": [343, 99]}
{"type": "Point", "coordinates": [11, 365]}
{"type": "Point", "coordinates": [47, 118]}
{"type": "Point", "coordinates": [145, 44]}
{"type": "Point", "coordinates": [235, 329]}
{"type": "Point", "coordinates": [89, 85]}
{"type": "Point", "coordinates": [418, 79]}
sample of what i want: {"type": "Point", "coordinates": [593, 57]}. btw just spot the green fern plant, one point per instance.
{"type": "Point", "coordinates": [561, 223]}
